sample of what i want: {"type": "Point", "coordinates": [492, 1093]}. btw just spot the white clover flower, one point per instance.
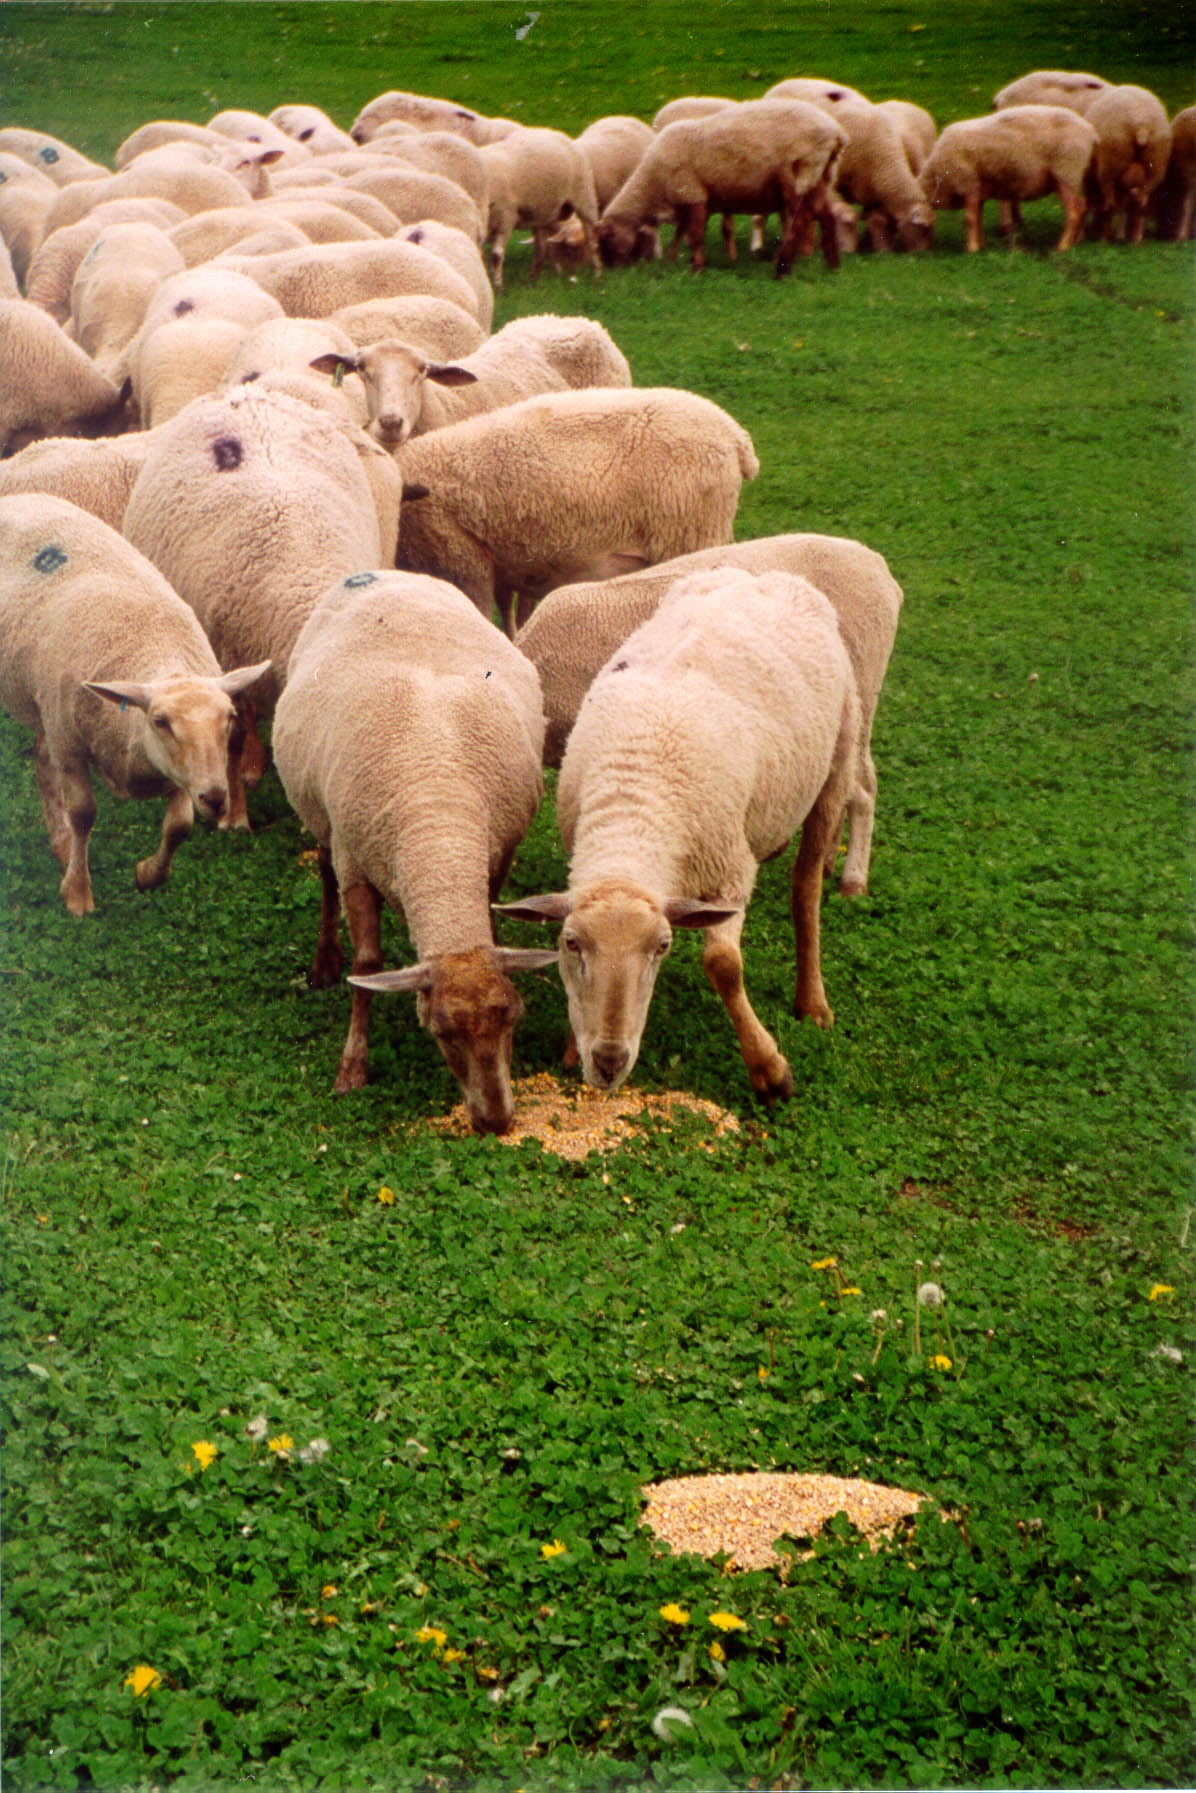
{"type": "Point", "coordinates": [669, 1717]}
{"type": "Point", "coordinates": [313, 1452]}
{"type": "Point", "coordinates": [929, 1295]}
{"type": "Point", "coordinates": [257, 1428]}
{"type": "Point", "coordinates": [1169, 1352]}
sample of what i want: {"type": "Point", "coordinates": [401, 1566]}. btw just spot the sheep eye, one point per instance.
{"type": "Point", "coordinates": [571, 944]}
{"type": "Point", "coordinates": [661, 948]}
{"type": "Point", "coordinates": [163, 723]}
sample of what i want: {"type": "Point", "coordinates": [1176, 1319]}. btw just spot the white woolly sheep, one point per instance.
{"type": "Point", "coordinates": [408, 741]}
{"type": "Point", "coordinates": [98, 476]}
{"type": "Point", "coordinates": [8, 280]}
{"type": "Point", "coordinates": [311, 127]}
{"type": "Point", "coordinates": [439, 152]}
{"type": "Point", "coordinates": [48, 385]}
{"type": "Point", "coordinates": [55, 263]}
{"type": "Point", "coordinates": [1021, 152]}
{"type": "Point", "coordinates": [279, 356]}
{"type": "Point", "coordinates": [613, 145]}
{"type": "Point", "coordinates": [728, 720]}
{"type": "Point", "coordinates": [59, 161]}
{"type": "Point", "coordinates": [26, 199]}
{"type": "Point", "coordinates": [168, 173]}
{"type": "Point", "coordinates": [1174, 200]}
{"type": "Point", "coordinates": [192, 328]}
{"type": "Point", "coordinates": [460, 252]}
{"type": "Point", "coordinates": [252, 128]}
{"type": "Point", "coordinates": [318, 281]}
{"type": "Point", "coordinates": [313, 187]}
{"type": "Point", "coordinates": [413, 193]}
{"type": "Point", "coordinates": [1051, 87]}
{"type": "Point", "coordinates": [686, 106]}
{"type": "Point", "coordinates": [252, 504]}
{"type": "Point", "coordinates": [112, 289]}
{"type": "Point", "coordinates": [428, 114]}
{"type": "Point", "coordinates": [874, 173]}
{"type": "Point", "coordinates": [110, 669]}
{"type": "Point", "coordinates": [206, 235]}
{"type": "Point", "coordinates": [437, 326]}
{"type": "Point", "coordinates": [528, 356]}
{"type": "Point", "coordinates": [755, 157]}
{"type": "Point", "coordinates": [1133, 145]}
{"type": "Point", "coordinates": [156, 135]}
{"type": "Point", "coordinates": [537, 177]}
{"type": "Point", "coordinates": [915, 127]}
{"type": "Point", "coordinates": [567, 486]}
{"type": "Point", "coordinates": [578, 628]}
{"type": "Point", "coordinates": [816, 90]}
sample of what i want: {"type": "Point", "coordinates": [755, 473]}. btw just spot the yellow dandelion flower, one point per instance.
{"type": "Point", "coordinates": [1159, 1290]}
{"type": "Point", "coordinates": [330, 1618]}
{"type": "Point", "coordinates": [728, 1621]}
{"type": "Point", "coordinates": [763, 1372]}
{"type": "Point", "coordinates": [717, 1651]}
{"type": "Point", "coordinates": [824, 1264]}
{"type": "Point", "coordinates": [850, 1289]}
{"type": "Point", "coordinates": [431, 1634]}
{"type": "Point", "coordinates": [939, 1362]}
{"type": "Point", "coordinates": [452, 1656]}
{"type": "Point", "coordinates": [386, 1196]}
{"type": "Point", "coordinates": [142, 1679]}
{"type": "Point", "coordinates": [556, 1548]}
{"type": "Point", "coordinates": [204, 1453]}
{"type": "Point", "coordinates": [329, 1591]}
{"type": "Point", "coordinates": [676, 1615]}
{"type": "Point", "coordinates": [280, 1445]}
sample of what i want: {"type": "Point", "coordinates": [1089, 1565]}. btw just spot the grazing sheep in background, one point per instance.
{"type": "Point", "coordinates": [311, 127]}
{"type": "Point", "coordinates": [529, 356]}
{"type": "Point", "coordinates": [874, 173]}
{"type": "Point", "coordinates": [727, 721]}
{"type": "Point", "coordinates": [439, 152]}
{"type": "Point", "coordinates": [428, 115]}
{"type": "Point", "coordinates": [612, 146]}
{"type": "Point", "coordinates": [915, 127]}
{"type": "Point", "coordinates": [57, 160]}
{"type": "Point", "coordinates": [314, 282]}
{"type": "Point", "coordinates": [1133, 145]}
{"type": "Point", "coordinates": [578, 628]}
{"type": "Point", "coordinates": [48, 385]}
{"type": "Point", "coordinates": [111, 670]}
{"type": "Point", "coordinates": [51, 272]}
{"type": "Point", "coordinates": [1051, 87]}
{"type": "Point", "coordinates": [98, 476]}
{"type": "Point", "coordinates": [113, 287]}
{"type": "Point", "coordinates": [408, 741]}
{"type": "Point", "coordinates": [192, 328]}
{"type": "Point", "coordinates": [689, 105]}
{"type": "Point", "coordinates": [537, 177]}
{"type": "Point", "coordinates": [250, 127]}
{"type": "Point", "coordinates": [1174, 199]}
{"type": "Point", "coordinates": [1021, 152]}
{"type": "Point", "coordinates": [437, 326]}
{"type": "Point", "coordinates": [568, 486]}
{"type": "Point", "coordinates": [755, 157]}
{"type": "Point", "coordinates": [816, 90]}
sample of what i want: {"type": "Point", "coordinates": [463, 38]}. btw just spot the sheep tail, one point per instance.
{"type": "Point", "coordinates": [749, 466]}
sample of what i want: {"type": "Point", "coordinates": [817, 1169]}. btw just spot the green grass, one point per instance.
{"type": "Point", "coordinates": [504, 1354]}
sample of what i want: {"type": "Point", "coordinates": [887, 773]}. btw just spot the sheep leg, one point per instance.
{"type": "Point", "coordinates": [729, 248]}
{"type": "Point", "coordinates": [253, 753]}
{"type": "Point", "coordinates": [363, 912]}
{"type": "Point", "coordinates": [237, 813]}
{"type": "Point", "coordinates": [695, 234]}
{"type": "Point", "coordinates": [329, 961]}
{"type": "Point", "coordinates": [540, 234]}
{"type": "Point", "coordinates": [861, 813]}
{"type": "Point", "coordinates": [81, 814]}
{"type": "Point", "coordinates": [722, 962]}
{"type": "Point", "coordinates": [973, 207]}
{"type": "Point", "coordinates": [49, 787]}
{"type": "Point", "coordinates": [1074, 209]}
{"type": "Point", "coordinates": [805, 891]}
{"type": "Point", "coordinates": [756, 241]}
{"type": "Point", "coordinates": [177, 824]}
{"type": "Point", "coordinates": [593, 252]}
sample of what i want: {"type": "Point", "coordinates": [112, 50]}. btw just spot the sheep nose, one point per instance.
{"type": "Point", "coordinates": [213, 802]}
{"type": "Point", "coordinates": [392, 428]}
{"type": "Point", "coordinates": [610, 1061]}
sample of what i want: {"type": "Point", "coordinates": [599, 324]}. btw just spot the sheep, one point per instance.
{"type": "Point", "coordinates": [408, 741]}
{"type": "Point", "coordinates": [280, 354]}
{"type": "Point", "coordinates": [328, 276]}
{"type": "Point", "coordinates": [8, 280]}
{"type": "Point", "coordinates": [412, 193]}
{"type": "Point", "coordinates": [251, 504]}
{"type": "Point", "coordinates": [55, 262]}
{"type": "Point", "coordinates": [157, 134]}
{"type": "Point", "coordinates": [408, 394]}
{"type": "Point", "coordinates": [1051, 87]}
{"type": "Point", "coordinates": [439, 152]}
{"type": "Point", "coordinates": [113, 286]}
{"type": "Point", "coordinates": [578, 628]}
{"type": "Point", "coordinates": [57, 160]}
{"type": "Point", "coordinates": [167, 173]}
{"type": "Point", "coordinates": [612, 146]}
{"type": "Point", "coordinates": [1133, 144]}
{"type": "Point", "coordinates": [192, 328]}
{"type": "Point", "coordinates": [48, 385]}
{"type": "Point", "coordinates": [98, 476]}
{"type": "Point", "coordinates": [537, 177]}
{"type": "Point", "coordinates": [874, 173]}
{"type": "Point", "coordinates": [689, 105]}
{"type": "Point", "coordinates": [428, 114]}
{"type": "Point", "coordinates": [460, 252]}
{"type": "Point", "coordinates": [814, 89]}
{"type": "Point", "coordinates": [753, 157]}
{"type": "Point", "coordinates": [110, 669]}
{"type": "Point", "coordinates": [206, 235]}
{"type": "Point", "coordinates": [1020, 152]}
{"type": "Point", "coordinates": [311, 127]}
{"type": "Point", "coordinates": [915, 127]}
{"type": "Point", "coordinates": [569, 485]}
{"type": "Point", "coordinates": [26, 199]}
{"type": "Point", "coordinates": [329, 194]}
{"type": "Point", "coordinates": [437, 326]}
{"type": "Point", "coordinates": [251, 128]}
{"type": "Point", "coordinates": [728, 720]}
{"type": "Point", "coordinates": [1174, 199]}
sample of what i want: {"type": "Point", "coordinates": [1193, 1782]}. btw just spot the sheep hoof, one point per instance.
{"type": "Point", "coordinates": [149, 875]}
{"type": "Point", "coordinates": [78, 899]}
{"type": "Point", "coordinates": [773, 1082]}
{"type": "Point", "coordinates": [820, 1013]}
{"type": "Point", "coordinates": [851, 887]}
{"type": "Point", "coordinates": [350, 1077]}
{"type": "Point", "coordinates": [326, 969]}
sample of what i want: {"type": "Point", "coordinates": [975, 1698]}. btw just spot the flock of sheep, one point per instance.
{"type": "Point", "coordinates": [263, 455]}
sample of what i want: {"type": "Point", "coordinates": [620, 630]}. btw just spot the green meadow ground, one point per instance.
{"type": "Point", "coordinates": [498, 1358]}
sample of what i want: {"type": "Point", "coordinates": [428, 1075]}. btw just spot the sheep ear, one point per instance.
{"type": "Point", "coordinates": [447, 373]}
{"type": "Point", "coordinates": [332, 363]}
{"type": "Point", "coordinates": [680, 912]}
{"type": "Point", "coordinates": [524, 958]}
{"type": "Point", "coordinates": [234, 683]}
{"type": "Point", "coordinates": [537, 908]}
{"type": "Point", "coordinates": [411, 492]}
{"type": "Point", "coordinates": [122, 694]}
{"type": "Point", "coordinates": [407, 977]}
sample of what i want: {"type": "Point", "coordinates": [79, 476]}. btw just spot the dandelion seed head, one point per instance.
{"type": "Point", "coordinates": [669, 1720]}
{"type": "Point", "coordinates": [929, 1295]}
{"type": "Point", "coordinates": [257, 1428]}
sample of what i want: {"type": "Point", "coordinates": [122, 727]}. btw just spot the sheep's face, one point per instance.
{"type": "Point", "coordinates": [471, 1009]}
{"type": "Point", "coordinates": [187, 721]}
{"type": "Point", "coordinates": [916, 230]}
{"type": "Point", "coordinates": [618, 242]}
{"type": "Point", "coordinates": [612, 945]}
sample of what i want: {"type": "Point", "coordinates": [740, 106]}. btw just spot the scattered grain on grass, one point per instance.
{"type": "Point", "coordinates": [744, 1515]}
{"type": "Point", "coordinates": [573, 1120]}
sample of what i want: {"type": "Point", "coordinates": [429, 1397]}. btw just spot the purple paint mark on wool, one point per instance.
{"type": "Point", "coordinates": [48, 560]}
{"type": "Point", "coordinates": [183, 307]}
{"type": "Point", "coordinates": [227, 453]}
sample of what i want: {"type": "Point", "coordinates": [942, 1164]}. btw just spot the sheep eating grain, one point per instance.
{"type": "Point", "coordinates": [89, 632]}
{"type": "Point", "coordinates": [727, 721]}
{"type": "Point", "coordinates": [408, 739]}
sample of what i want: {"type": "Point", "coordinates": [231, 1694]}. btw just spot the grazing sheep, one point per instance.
{"type": "Point", "coordinates": [98, 476]}
{"type": "Point", "coordinates": [311, 127]}
{"type": "Point", "coordinates": [437, 326]}
{"type": "Point", "coordinates": [250, 127]}
{"type": "Point", "coordinates": [57, 160]}
{"type": "Point", "coordinates": [815, 90]}
{"type": "Point", "coordinates": [755, 157]}
{"type": "Point", "coordinates": [192, 328]}
{"type": "Point", "coordinates": [529, 356]}
{"type": "Point", "coordinates": [567, 486]}
{"type": "Point", "coordinates": [412, 193]}
{"type": "Point", "coordinates": [314, 282]}
{"type": "Point", "coordinates": [113, 287]}
{"type": "Point", "coordinates": [537, 177]}
{"type": "Point", "coordinates": [439, 152]}
{"type": "Point", "coordinates": [612, 146]}
{"type": "Point", "coordinates": [460, 252]}
{"type": "Point", "coordinates": [689, 105]}
{"type": "Point", "coordinates": [1021, 152]}
{"type": "Point", "coordinates": [48, 385]}
{"type": "Point", "coordinates": [578, 628]}
{"type": "Point", "coordinates": [252, 504]}
{"type": "Point", "coordinates": [1174, 200]}
{"type": "Point", "coordinates": [26, 199]}
{"type": "Point", "coordinates": [408, 740]}
{"type": "Point", "coordinates": [1051, 87]}
{"type": "Point", "coordinates": [428, 114]}
{"type": "Point", "coordinates": [51, 272]}
{"type": "Point", "coordinates": [915, 127]}
{"type": "Point", "coordinates": [157, 134]}
{"type": "Point", "coordinates": [110, 669]}
{"type": "Point", "coordinates": [874, 174]}
{"type": "Point", "coordinates": [728, 720]}
{"type": "Point", "coordinates": [1133, 145]}
{"type": "Point", "coordinates": [280, 355]}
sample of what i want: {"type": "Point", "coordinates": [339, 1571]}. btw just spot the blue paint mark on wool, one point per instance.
{"type": "Point", "coordinates": [48, 153]}
{"type": "Point", "coordinates": [48, 560]}
{"type": "Point", "coordinates": [355, 581]}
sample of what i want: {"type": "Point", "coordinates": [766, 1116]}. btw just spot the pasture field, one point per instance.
{"type": "Point", "coordinates": [429, 1375]}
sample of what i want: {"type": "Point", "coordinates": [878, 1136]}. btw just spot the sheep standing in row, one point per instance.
{"type": "Point", "coordinates": [578, 628]}
{"type": "Point", "coordinates": [111, 670]}
{"type": "Point", "coordinates": [408, 740]}
{"type": "Point", "coordinates": [1174, 200]}
{"type": "Point", "coordinates": [1133, 144]}
{"type": "Point", "coordinates": [567, 486]}
{"type": "Point", "coordinates": [873, 171]}
{"type": "Point", "coordinates": [1020, 152]}
{"type": "Point", "coordinates": [727, 721]}
{"type": "Point", "coordinates": [537, 177]}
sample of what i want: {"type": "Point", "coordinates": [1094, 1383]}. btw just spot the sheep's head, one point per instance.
{"type": "Point", "coordinates": [393, 374]}
{"type": "Point", "coordinates": [620, 240]}
{"type": "Point", "coordinates": [916, 229]}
